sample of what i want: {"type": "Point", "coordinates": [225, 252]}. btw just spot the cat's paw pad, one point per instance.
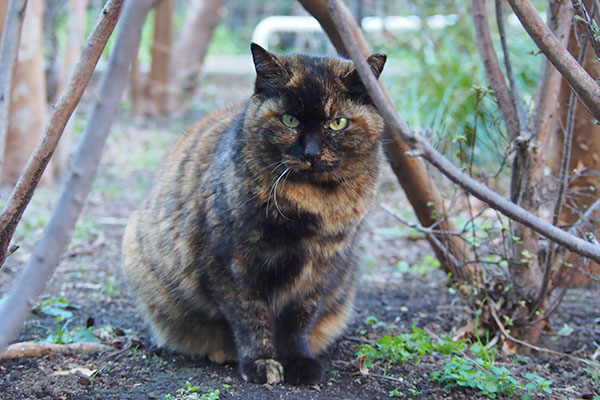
{"type": "Point", "coordinates": [262, 370]}
{"type": "Point", "coordinates": [302, 371]}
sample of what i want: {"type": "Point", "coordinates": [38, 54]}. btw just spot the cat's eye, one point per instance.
{"type": "Point", "coordinates": [338, 124]}
{"type": "Point", "coordinates": [290, 121]}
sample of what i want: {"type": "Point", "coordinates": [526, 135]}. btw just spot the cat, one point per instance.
{"type": "Point", "coordinates": [245, 247]}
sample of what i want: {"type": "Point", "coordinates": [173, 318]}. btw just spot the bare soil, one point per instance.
{"type": "Point", "coordinates": [89, 277]}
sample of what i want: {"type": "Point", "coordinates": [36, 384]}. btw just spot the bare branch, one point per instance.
{"type": "Point", "coordinates": [422, 147]}
{"type": "Point", "coordinates": [582, 83]}
{"type": "Point", "coordinates": [50, 247]}
{"type": "Point", "coordinates": [11, 36]}
{"type": "Point", "coordinates": [514, 90]}
{"type": "Point", "coordinates": [492, 68]}
{"type": "Point", "coordinates": [23, 191]}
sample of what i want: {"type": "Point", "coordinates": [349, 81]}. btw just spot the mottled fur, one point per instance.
{"type": "Point", "coordinates": [244, 249]}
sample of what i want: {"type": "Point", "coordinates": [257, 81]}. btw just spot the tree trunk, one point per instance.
{"type": "Point", "coordinates": [201, 19]}
{"type": "Point", "coordinates": [584, 166]}
{"type": "Point", "coordinates": [27, 114]}
{"type": "Point", "coordinates": [158, 85]}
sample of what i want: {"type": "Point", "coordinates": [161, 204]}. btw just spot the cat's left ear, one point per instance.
{"type": "Point", "coordinates": [352, 80]}
{"type": "Point", "coordinates": [269, 68]}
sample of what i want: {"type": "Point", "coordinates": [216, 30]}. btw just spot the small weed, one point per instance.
{"type": "Point", "coordinates": [111, 288]}
{"type": "Point", "coordinates": [427, 265]}
{"type": "Point", "coordinates": [406, 346]}
{"type": "Point", "coordinates": [188, 389]}
{"type": "Point", "coordinates": [593, 371]}
{"type": "Point", "coordinates": [212, 395]}
{"type": "Point", "coordinates": [55, 307]}
{"type": "Point", "coordinates": [459, 371]}
{"type": "Point", "coordinates": [134, 350]}
{"type": "Point", "coordinates": [374, 322]}
{"type": "Point", "coordinates": [190, 392]}
{"type": "Point", "coordinates": [62, 335]}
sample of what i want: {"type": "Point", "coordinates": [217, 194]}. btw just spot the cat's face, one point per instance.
{"type": "Point", "coordinates": [312, 115]}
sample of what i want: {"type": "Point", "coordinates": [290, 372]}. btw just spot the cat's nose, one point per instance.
{"type": "Point", "coordinates": [312, 151]}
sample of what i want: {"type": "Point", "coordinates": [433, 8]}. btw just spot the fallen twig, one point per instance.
{"type": "Point", "coordinates": [100, 240]}
{"type": "Point", "coordinates": [34, 349]}
{"type": "Point", "coordinates": [507, 335]}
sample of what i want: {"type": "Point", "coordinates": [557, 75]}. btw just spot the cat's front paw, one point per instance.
{"type": "Point", "coordinates": [262, 370]}
{"type": "Point", "coordinates": [302, 371]}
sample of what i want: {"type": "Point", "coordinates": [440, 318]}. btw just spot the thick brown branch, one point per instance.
{"type": "Point", "coordinates": [23, 191]}
{"type": "Point", "coordinates": [422, 147]}
{"type": "Point", "coordinates": [581, 82]}
{"type": "Point", "coordinates": [11, 35]}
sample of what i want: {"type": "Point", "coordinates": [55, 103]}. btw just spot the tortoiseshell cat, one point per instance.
{"type": "Point", "coordinates": [244, 249]}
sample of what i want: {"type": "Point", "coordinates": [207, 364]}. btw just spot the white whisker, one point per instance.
{"type": "Point", "coordinates": [285, 173]}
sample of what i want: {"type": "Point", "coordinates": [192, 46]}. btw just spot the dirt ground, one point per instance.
{"type": "Point", "coordinates": [89, 278]}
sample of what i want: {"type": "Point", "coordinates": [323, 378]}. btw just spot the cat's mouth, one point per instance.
{"type": "Point", "coordinates": [315, 170]}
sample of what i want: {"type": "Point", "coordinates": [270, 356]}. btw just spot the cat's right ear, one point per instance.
{"type": "Point", "coordinates": [269, 69]}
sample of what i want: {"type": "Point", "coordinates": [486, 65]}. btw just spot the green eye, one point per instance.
{"type": "Point", "coordinates": [290, 121]}
{"type": "Point", "coordinates": [338, 124]}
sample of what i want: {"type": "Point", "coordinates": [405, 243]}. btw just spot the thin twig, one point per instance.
{"type": "Point", "coordinates": [585, 218]}
{"type": "Point", "coordinates": [492, 68]}
{"type": "Point", "coordinates": [507, 335]}
{"type": "Point", "coordinates": [357, 340]}
{"type": "Point", "coordinates": [514, 90]}
{"type": "Point", "coordinates": [389, 378]}
{"type": "Point", "coordinates": [432, 239]}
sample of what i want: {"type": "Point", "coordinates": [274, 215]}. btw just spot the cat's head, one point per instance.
{"type": "Point", "coordinates": [313, 114]}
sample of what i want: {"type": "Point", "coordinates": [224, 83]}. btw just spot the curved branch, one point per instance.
{"type": "Point", "coordinates": [582, 83]}
{"type": "Point", "coordinates": [423, 148]}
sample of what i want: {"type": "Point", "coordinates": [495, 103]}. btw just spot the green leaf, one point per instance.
{"type": "Point", "coordinates": [566, 330]}
{"type": "Point", "coordinates": [81, 334]}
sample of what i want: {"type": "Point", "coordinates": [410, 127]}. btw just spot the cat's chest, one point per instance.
{"type": "Point", "coordinates": [337, 209]}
